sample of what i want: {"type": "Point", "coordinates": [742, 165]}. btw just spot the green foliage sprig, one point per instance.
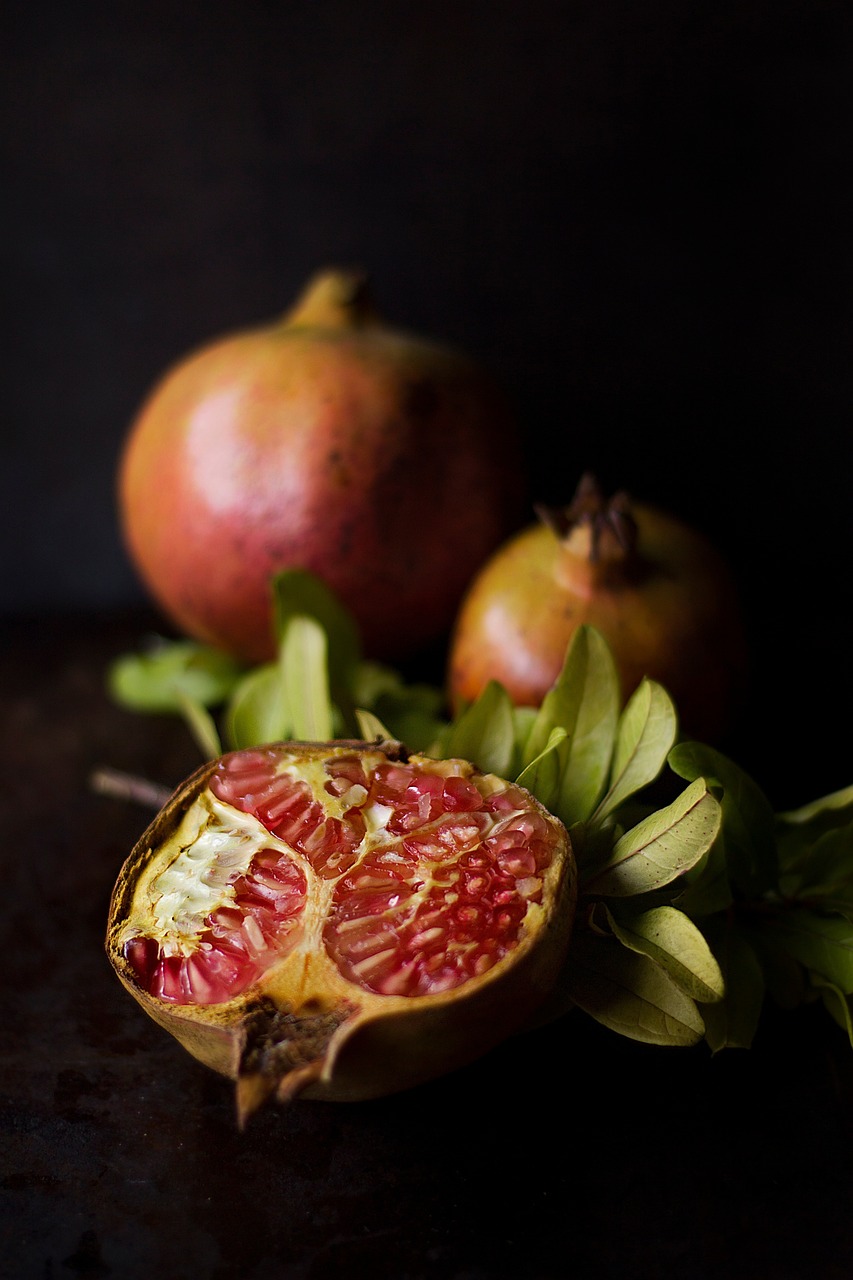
{"type": "Point", "coordinates": [697, 902]}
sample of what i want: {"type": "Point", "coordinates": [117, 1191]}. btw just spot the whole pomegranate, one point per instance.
{"type": "Point", "coordinates": [342, 919]}
{"type": "Point", "coordinates": [386, 464]}
{"type": "Point", "coordinates": [661, 595]}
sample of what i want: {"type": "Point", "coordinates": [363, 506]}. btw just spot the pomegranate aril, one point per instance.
{"type": "Point", "coordinates": [518, 862]}
{"type": "Point", "coordinates": [347, 777]}
{"type": "Point", "coordinates": [225, 920]}
{"type": "Point", "coordinates": [281, 805]}
{"type": "Point", "coordinates": [507, 800]}
{"type": "Point", "coordinates": [143, 955]}
{"type": "Point", "coordinates": [170, 981]}
{"type": "Point", "coordinates": [427, 938]}
{"type": "Point", "coordinates": [474, 885]}
{"type": "Point", "coordinates": [459, 795]}
{"type": "Point", "coordinates": [461, 833]}
{"type": "Point", "coordinates": [200, 981]}
{"type": "Point", "coordinates": [399, 981]}
{"type": "Point", "coordinates": [239, 776]}
{"type": "Point", "coordinates": [332, 847]}
{"type": "Point", "coordinates": [273, 865]}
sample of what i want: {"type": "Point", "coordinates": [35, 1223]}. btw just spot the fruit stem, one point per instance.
{"type": "Point", "coordinates": [336, 298]}
{"type": "Point", "coordinates": [127, 786]}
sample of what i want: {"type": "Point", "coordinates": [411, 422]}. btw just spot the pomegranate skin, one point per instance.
{"type": "Point", "coordinates": [668, 610]}
{"type": "Point", "coordinates": [387, 465]}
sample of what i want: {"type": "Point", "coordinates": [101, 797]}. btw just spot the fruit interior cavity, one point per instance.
{"type": "Point", "coordinates": [416, 876]}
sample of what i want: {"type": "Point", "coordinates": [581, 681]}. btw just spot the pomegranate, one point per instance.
{"type": "Point", "coordinates": [342, 919]}
{"type": "Point", "coordinates": [386, 464]}
{"type": "Point", "coordinates": [658, 591]}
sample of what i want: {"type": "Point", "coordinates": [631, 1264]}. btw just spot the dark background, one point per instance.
{"type": "Point", "coordinates": [636, 215]}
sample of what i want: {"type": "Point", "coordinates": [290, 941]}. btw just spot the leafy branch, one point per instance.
{"type": "Point", "coordinates": [696, 903]}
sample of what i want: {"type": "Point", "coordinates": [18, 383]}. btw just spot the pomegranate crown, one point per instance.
{"type": "Point", "coordinates": [605, 517]}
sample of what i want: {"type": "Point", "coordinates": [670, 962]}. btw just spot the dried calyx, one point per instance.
{"type": "Point", "coordinates": [604, 527]}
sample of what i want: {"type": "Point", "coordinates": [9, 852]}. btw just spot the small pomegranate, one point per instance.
{"type": "Point", "coordinates": [386, 464]}
{"type": "Point", "coordinates": [342, 920]}
{"type": "Point", "coordinates": [659, 592]}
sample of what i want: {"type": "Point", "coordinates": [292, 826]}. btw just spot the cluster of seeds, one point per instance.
{"type": "Point", "coordinates": [426, 869]}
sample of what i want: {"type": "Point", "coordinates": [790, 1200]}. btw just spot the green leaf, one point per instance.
{"type": "Point", "coordinates": [485, 732]}
{"type": "Point", "coordinates": [202, 726]}
{"type": "Point", "coordinates": [645, 734]}
{"type": "Point", "coordinates": [257, 712]}
{"type": "Point", "coordinates": [823, 873]}
{"type": "Point", "coordinates": [157, 679]}
{"type": "Point", "coordinates": [675, 943]}
{"type": "Point", "coordinates": [411, 712]}
{"type": "Point", "coordinates": [748, 818]}
{"type": "Point", "coordinates": [705, 887]}
{"type": "Point", "coordinates": [585, 703]}
{"type": "Point", "coordinates": [660, 847]}
{"type": "Point", "coordinates": [298, 593]}
{"type": "Point", "coordinates": [305, 679]}
{"type": "Point", "coordinates": [837, 1005]}
{"type": "Point", "coordinates": [629, 993]}
{"type": "Point", "coordinates": [542, 775]}
{"type": "Point", "coordinates": [785, 979]}
{"type": "Point", "coordinates": [823, 944]}
{"type": "Point", "coordinates": [820, 815]}
{"type": "Point", "coordinates": [371, 727]}
{"type": "Point", "coordinates": [732, 1022]}
{"type": "Point", "coordinates": [524, 719]}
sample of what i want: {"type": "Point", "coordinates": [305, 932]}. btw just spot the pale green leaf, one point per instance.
{"type": "Point", "coordinates": [202, 726]}
{"type": "Point", "coordinates": [156, 679]}
{"type": "Point", "coordinates": [732, 1022]}
{"type": "Point", "coordinates": [660, 847]}
{"type": "Point", "coordinates": [837, 1005]}
{"type": "Point", "coordinates": [485, 733]}
{"type": "Point", "coordinates": [674, 942]}
{"type": "Point", "coordinates": [371, 727]}
{"type": "Point", "coordinates": [705, 888]}
{"type": "Point", "coordinates": [822, 874]}
{"type": "Point", "coordinates": [785, 979]}
{"type": "Point", "coordinates": [629, 993]}
{"type": "Point", "coordinates": [257, 712]}
{"type": "Point", "coordinates": [822, 943]}
{"type": "Point", "coordinates": [644, 738]}
{"type": "Point", "coordinates": [411, 712]}
{"type": "Point", "coordinates": [304, 674]}
{"type": "Point", "coordinates": [296, 592]}
{"type": "Point", "coordinates": [585, 703]}
{"type": "Point", "coordinates": [542, 775]}
{"type": "Point", "coordinates": [748, 818]}
{"type": "Point", "coordinates": [834, 809]}
{"type": "Point", "coordinates": [524, 719]}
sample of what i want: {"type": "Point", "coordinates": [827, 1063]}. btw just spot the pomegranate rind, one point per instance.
{"type": "Point", "coordinates": [669, 610]}
{"type": "Point", "coordinates": [319, 446]}
{"type": "Point", "coordinates": [345, 1042]}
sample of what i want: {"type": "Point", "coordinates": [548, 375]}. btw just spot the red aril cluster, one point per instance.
{"type": "Point", "coordinates": [350, 881]}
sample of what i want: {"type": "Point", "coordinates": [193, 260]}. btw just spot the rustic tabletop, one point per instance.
{"type": "Point", "coordinates": [565, 1152]}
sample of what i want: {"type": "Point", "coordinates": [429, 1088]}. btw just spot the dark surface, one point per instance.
{"type": "Point", "coordinates": [566, 1152]}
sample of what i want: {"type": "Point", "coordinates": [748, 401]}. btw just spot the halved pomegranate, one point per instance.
{"type": "Point", "coordinates": [342, 919]}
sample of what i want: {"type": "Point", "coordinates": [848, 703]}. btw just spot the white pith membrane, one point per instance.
{"type": "Point", "coordinates": [399, 912]}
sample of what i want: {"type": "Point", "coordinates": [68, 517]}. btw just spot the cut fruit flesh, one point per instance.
{"type": "Point", "coordinates": [333, 877]}
{"type": "Point", "coordinates": [432, 877]}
